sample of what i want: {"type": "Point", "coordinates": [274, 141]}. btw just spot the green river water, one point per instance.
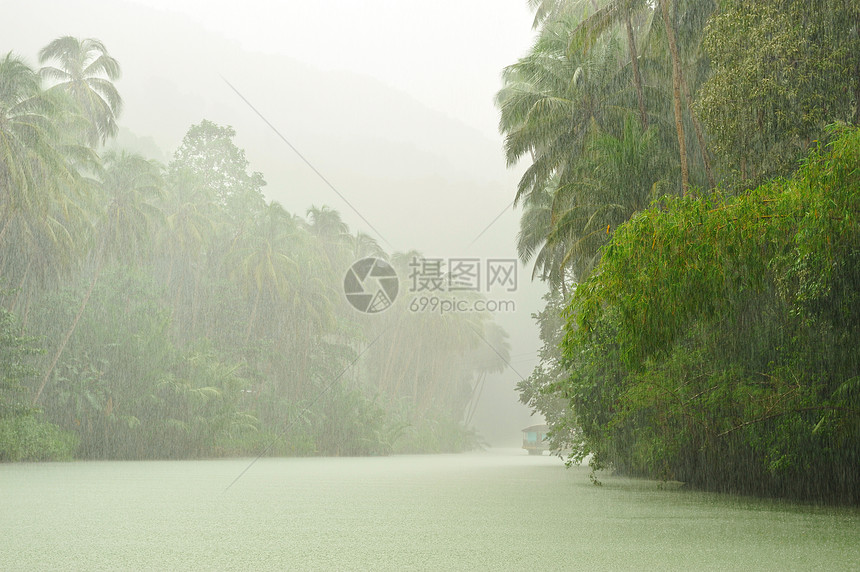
{"type": "Point", "coordinates": [496, 510]}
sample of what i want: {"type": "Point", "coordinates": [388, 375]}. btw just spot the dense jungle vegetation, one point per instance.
{"type": "Point", "coordinates": [171, 311]}
{"type": "Point", "coordinates": [692, 199]}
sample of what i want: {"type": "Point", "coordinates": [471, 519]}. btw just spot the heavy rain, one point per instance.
{"type": "Point", "coordinates": [490, 285]}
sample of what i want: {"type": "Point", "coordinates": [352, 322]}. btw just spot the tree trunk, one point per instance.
{"type": "Point", "coordinates": [14, 302]}
{"type": "Point", "coordinates": [472, 406]}
{"type": "Point", "coordinates": [699, 135]}
{"type": "Point", "coordinates": [416, 377]}
{"type": "Point", "coordinates": [96, 271]}
{"type": "Point", "coordinates": [665, 6]}
{"type": "Point", "coordinates": [253, 317]}
{"type": "Point", "coordinates": [25, 315]}
{"type": "Point", "coordinates": [637, 79]}
{"type": "Point", "coordinates": [388, 366]}
{"type": "Point", "coordinates": [7, 216]}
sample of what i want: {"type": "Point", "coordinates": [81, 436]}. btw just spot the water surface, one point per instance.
{"type": "Point", "coordinates": [499, 510]}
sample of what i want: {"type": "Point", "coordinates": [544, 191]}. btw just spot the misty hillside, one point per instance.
{"type": "Point", "coordinates": [383, 150]}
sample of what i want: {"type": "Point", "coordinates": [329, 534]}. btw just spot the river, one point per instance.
{"type": "Point", "coordinates": [496, 510]}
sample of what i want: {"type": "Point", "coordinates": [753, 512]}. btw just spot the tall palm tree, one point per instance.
{"type": "Point", "coordinates": [364, 245]}
{"type": "Point", "coordinates": [85, 71]}
{"type": "Point", "coordinates": [536, 223]}
{"type": "Point", "coordinates": [130, 186]}
{"type": "Point", "coordinates": [606, 18]}
{"type": "Point", "coordinates": [326, 222]}
{"type": "Point", "coordinates": [263, 262]}
{"type": "Point", "coordinates": [185, 241]}
{"type": "Point", "coordinates": [41, 189]}
{"type": "Point", "coordinates": [333, 237]}
{"type": "Point", "coordinates": [34, 169]}
{"type": "Point", "coordinates": [548, 10]}
{"type": "Point", "coordinates": [666, 8]}
{"type": "Point", "coordinates": [551, 100]}
{"type": "Point", "coordinates": [616, 178]}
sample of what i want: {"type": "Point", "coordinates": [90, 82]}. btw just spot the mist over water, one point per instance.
{"type": "Point", "coordinates": [499, 510]}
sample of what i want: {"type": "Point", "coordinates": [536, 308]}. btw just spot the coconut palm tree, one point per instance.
{"type": "Point", "coordinates": [551, 100]}
{"type": "Point", "coordinates": [187, 237]}
{"type": "Point", "coordinates": [333, 237]}
{"type": "Point", "coordinates": [262, 261]}
{"type": "Point", "coordinates": [535, 225]}
{"type": "Point", "coordinates": [548, 10]}
{"type": "Point", "coordinates": [326, 222]}
{"type": "Point", "coordinates": [85, 71]}
{"type": "Point", "coordinates": [34, 168]}
{"type": "Point", "coordinates": [41, 189]}
{"type": "Point", "coordinates": [616, 178]}
{"type": "Point", "coordinates": [611, 15]}
{"type": "Point", "coordinates": [129, 188]}
{"type": "Point", "coordinates": [364, 245]}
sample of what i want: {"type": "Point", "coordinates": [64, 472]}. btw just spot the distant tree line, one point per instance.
{"type": "Point", "coordinates": [692, 199]}
{"type": "Point", "coordinates": [171, 311]}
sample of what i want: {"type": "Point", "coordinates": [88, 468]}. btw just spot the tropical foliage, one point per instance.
{"type": "Point", "coordinates": [173, 311]}
{"type": "Point", "coordinates": [705, 339]}
{"type": "Point", "coordinates": [732, 329]}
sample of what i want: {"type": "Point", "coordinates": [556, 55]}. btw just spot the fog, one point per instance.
{"type": "Point", "coordinates": [395, 112]}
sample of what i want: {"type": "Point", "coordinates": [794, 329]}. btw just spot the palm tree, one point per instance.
{"type": "Point", "coordinates": [551, 101]}
{"type": "Point", "coordinates": [129, 187]}
{"type": "Point", "coordinates": [548, 10]}
{"type": "Point", "coordinates": [535, 225]}
{"type": "Point", "coordinates": [262, 261]}
{"type": "Point", "coordinates": [559, 105]}
{"type": "Point", "coordinates": [616, 178]}
{"type": "Point", "coordinates": [86, 72]}
{"type": "Point", "coordinates": [186, 238]}
{"type": "Point", "coordinates": [333, 236]}
{"type": "Point", "coordinates": [599, 23]}
{"type": "Point", "coordinates": [41, 190]}
{"type": "Point", "coordinates": [364, 245]}
{"type": "Point", "coordinates": [666, 8]}
{"type": "Point", "coordinates": [326, 222]}
{"type": "Point", "coordinates": [34, 170]}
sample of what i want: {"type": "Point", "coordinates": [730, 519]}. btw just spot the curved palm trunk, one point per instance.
{"type": "Point", "coordinates": [637, 78]}
{"type": "Point", "coordinates": [665, 6]}
{"type": "Point", "coordinates": [96, 271]}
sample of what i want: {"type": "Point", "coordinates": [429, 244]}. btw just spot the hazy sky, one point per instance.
{"type": "Point", "coordinates": [448, 54]}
